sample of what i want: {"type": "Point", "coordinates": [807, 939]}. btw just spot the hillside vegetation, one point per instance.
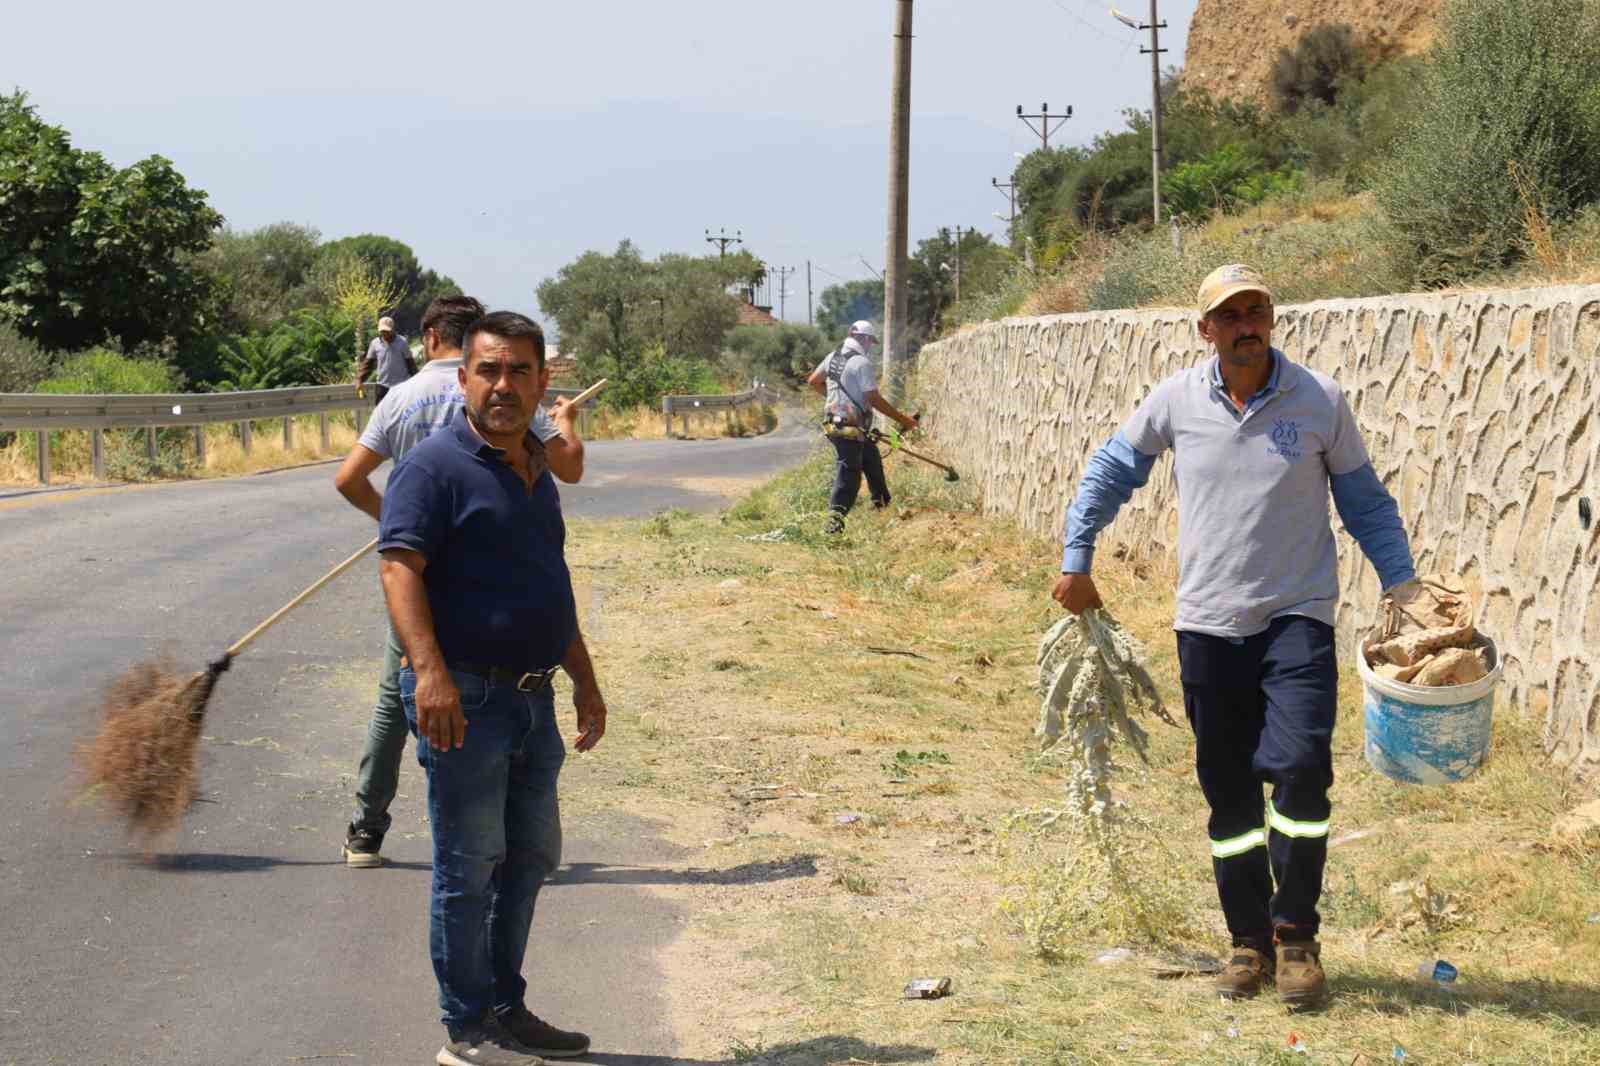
{"type": "Point", "coordinates": [1476, 164]}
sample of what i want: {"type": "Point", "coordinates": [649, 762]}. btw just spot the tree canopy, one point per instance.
{"type": "Point", "coordinates": [90, 253]}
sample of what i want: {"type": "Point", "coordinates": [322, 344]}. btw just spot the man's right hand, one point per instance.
{"type": "Point", "coordinates": [910, 422]}
{"type": "Point", "coordinates": [439, 717]}
{"type": "Point", "coordinates": [361, 392]}
{"type": "Point", "coordinates": [1076, 592]}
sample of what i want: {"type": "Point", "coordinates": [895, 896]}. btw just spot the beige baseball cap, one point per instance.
{"type": "Point", "coordinates": [386, 323]}
{"type": "Point", "coordinates": [1228, 281]}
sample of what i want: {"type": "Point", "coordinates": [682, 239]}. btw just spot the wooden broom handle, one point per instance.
{"type": "Point", "coordinates": [586, 393]}
{"type": "Point", "coordinates": [244, 641]}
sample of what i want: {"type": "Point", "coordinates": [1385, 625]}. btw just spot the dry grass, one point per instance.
{"type": "Point", "coordinates": [862, 816]}
{"type": "Point", "coordinates": [647, 423]}
{"type": "Point", "coordinates": [141, 762]}
{"type": "Point", "coordinates": [127, 459]}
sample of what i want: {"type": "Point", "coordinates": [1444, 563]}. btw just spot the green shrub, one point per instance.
{"type": "Point", "coordinates": [100, 371]}
{"type": "Point", "coordinates": [1228, 177]}
{"type": "Point", "coordinates": [1317, 69]}
{"type": "Point", "coordinates": [772, 353]}
{"type": "Point", "coordinates": [648, 376]}
{"type": "Point", "coordinates": [265, 361]}
{"type": "Point", "coordinates": [23, 364]}
{"type": "Point", "coordinates": [1510, 81]}
{"type": "Point", "coordinates": [1310, 259]}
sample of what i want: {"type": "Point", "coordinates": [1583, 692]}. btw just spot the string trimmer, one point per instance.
{"type": "Point", "coordinates": [877, 436]}
{"type": "Point", "coordinates": [143, 758]}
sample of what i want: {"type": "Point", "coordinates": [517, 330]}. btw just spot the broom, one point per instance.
{"type": "Point", "coordinates": [142, 761]}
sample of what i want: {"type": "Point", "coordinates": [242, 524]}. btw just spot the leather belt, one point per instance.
{"type": "Point", "coordinates": [521, 680]}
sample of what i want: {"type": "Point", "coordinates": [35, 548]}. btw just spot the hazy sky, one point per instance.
{"type": "Point", "coordinates": [501, 140]}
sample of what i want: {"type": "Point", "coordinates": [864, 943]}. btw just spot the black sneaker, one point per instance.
{"type": "Point", "coordinates": [485, 1043]}
{"type": "Point", "coordinates": [542, 1038]}
{"type": "Point", "coordinates": [361, 847]}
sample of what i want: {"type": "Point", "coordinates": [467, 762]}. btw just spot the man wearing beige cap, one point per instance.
{"type": "Point", "coordinates": [390, 356]}
{"type": "Point", "coordinates": [1258, 444]}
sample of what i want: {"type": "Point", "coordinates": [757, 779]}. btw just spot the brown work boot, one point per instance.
{"type": "Point", "coordinates": [1301, 981]}
{"type": "Point", "coordinates": [1248, 969]}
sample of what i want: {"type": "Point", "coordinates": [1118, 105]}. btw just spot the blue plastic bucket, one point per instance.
{"type": "Point", "coordinates": [1428, 736]}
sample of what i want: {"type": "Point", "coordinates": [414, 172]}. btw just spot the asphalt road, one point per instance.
{"type": "Point", "coordinates": [249, 941]}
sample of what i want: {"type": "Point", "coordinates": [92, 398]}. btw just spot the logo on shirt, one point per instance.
{"type": "Point", "coordinates": [1285, 435]}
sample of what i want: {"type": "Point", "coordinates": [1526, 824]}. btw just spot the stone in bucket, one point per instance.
{"type": "Point", "coordinates": [1429, 678]}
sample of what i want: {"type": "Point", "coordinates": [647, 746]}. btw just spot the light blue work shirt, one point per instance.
{"type": "Point", "coordinates": [1254, 541]}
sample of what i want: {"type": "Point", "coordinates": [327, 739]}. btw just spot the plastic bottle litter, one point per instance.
{"type": "Point", "coordinates": [1114, 955]}
{"type": "Point", "coordinates": [1298, 1045]}
{"type": "Point", "coordinates": [1399, 1053]}
{"type": "Point", "coordinates": [1438, 971]}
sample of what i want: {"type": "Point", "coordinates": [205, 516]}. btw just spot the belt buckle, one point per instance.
{"type": "Point", "coordinates": [533, 681]}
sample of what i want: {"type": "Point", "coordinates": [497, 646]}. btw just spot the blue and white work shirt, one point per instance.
{"type": "Point", "coordinates": [414, 411]}
{"type": "Point", "coordinates": [1254, 541]}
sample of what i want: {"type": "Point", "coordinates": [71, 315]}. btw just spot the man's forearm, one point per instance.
{"type": "Point", "coordinates": [363, 371]}
{"type": "Point", "coordinates": [565, 453]}
{"type": "Point", "coordinates": [410, 614]}
{"type": "Point", "coordinates": [1112, 475]}
{"type": "Point", "coordinates": [364, 497]}
{"type": "Point", "coordinates": [576, 662]}
{"type": "Point", "coordinates": [1371, 515]}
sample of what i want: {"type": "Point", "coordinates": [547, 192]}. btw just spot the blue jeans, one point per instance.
{"type": "Point", "coordinates": [496, 837]}
{"type": "Point", "coordinates": [378, 775]}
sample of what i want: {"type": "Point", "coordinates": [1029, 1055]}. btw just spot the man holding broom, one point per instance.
{"type": "Point", "coordinates": [408, 415]}
{"type": "Point", "coordinates": [480, 596]}
{"type": "Point", "coordinates": [1258, 442]}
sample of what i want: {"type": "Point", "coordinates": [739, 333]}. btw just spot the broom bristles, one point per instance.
{"type": "Point", "coordinates": [141, 763]}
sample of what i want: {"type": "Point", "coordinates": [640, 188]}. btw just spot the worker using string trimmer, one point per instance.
{"type": "Point", "coordinates": [1258, 443]}
{"type": "Point", "coordinates": [848, 380]}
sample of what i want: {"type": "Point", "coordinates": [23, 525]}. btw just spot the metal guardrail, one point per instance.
{"type": "Point", "coordinates": [684, 406]}
{"type": "Point", "coordinates": [42, 413]}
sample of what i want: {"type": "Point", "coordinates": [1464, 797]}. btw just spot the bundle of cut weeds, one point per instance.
{"type": "Point", "coordinates": [1093, 684]}
{"type": "Point", "coordinates": [141, 763]}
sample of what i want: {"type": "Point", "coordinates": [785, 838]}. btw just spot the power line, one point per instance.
{"type": "Point", "coordinates": [783, 288]}
{"type": "Point", "coordinates": [722, 240]}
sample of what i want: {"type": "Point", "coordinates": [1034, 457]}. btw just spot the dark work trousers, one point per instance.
{"type": "Point", "coordinates": [378, 393]}
{"type": "Point", "coordinates": [855, 458]}
{"type": "Point", "coordinates": [1262, 710]}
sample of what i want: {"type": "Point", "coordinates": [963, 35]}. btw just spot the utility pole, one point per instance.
{"type": "Point", "coordinates": [722, 240]}
{"type": "Point", "coordinates": [894, 289]}
{"type": "Point", "coordinates": [783, 288]}
{"type": "Point", "coordinates": [1044, 129]}
{"type": "Point", "coordinates": [809, 313]}
{"type": "Point", "coordinates": [1155, 26]}
{"type": "Point", "coordinates": [958, 264]}
{"type": "Point", "coordinates": [1008, 189]}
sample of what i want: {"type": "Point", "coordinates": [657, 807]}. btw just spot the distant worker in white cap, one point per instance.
{"type": "Point", "coordinates": [847, 378]}
{"type": "Point", "coordinates": [1259, 444]}
{"type": "Point", "coordinates": [389, 355]}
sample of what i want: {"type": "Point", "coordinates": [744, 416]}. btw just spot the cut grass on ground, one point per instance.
{"type": "Point", "coordinates": [840, 733]}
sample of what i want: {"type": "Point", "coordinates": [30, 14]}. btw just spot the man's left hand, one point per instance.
{"type": "Point", "coordinates": [591, 707]}
{"type": "Point", "coordinates": [564, 411]}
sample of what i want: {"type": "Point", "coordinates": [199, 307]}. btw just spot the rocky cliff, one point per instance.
{"type": "Point", "coordinates": [1233, 43]}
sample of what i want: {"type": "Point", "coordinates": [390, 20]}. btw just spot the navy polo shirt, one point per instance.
{"type": "Point", "coordinates": [497, 580]}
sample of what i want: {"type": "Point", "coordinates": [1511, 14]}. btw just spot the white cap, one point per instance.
{"type": "Point", "coordinates": [863, 328]}
{"type": "Point", "coordinates": [386, 323]}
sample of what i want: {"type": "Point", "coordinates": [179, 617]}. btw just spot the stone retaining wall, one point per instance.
{"type": "Point", "coordinates": [1479, 411]}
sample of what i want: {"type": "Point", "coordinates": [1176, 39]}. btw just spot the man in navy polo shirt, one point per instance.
{"type": "Point", "coordinates": [481, 599]}
{"type": "Point", "coordinates": [1258, 444]}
